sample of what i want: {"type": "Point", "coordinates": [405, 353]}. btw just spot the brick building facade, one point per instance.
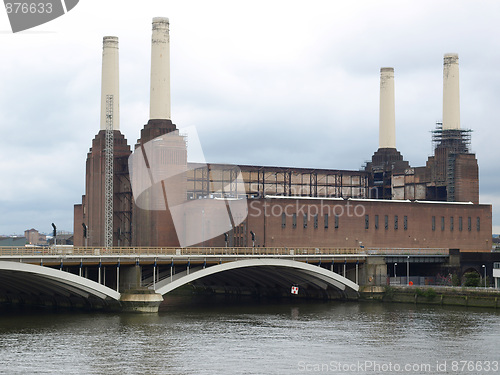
{"type": "Point", "coordinates": [394, 205]}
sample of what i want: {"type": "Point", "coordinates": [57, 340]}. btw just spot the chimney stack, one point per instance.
{"type": "Point", "coordinates": [109, 80]}
{"type": "Point", "coordinates": [451, 92]}
{"type": "Point", "coordinates": [160, 70]}
{"type": "Point", "coordinates": [387, 118]}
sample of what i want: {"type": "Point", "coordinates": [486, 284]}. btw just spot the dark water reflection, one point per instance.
{"type": "Point", "coordinates": [287, 338]}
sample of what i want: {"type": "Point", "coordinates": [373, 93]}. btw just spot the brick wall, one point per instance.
{"type": "Point", "coordinates": [301, 222]}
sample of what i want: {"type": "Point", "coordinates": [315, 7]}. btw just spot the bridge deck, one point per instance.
{"type": "Point", "coordinates": [126, 256]}
{"type": "Point", "coordinates": [206, 251]}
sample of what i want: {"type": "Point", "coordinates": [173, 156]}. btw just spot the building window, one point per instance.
{"type": "Point", "coordinates": [316, 221]}
{"type": "Point", "coordinates": [442, 222]}
{"type": "Point", "coordinates": [451, 223]}
{"type": "Point", "coordinates": [405, 222]}
{"type": "Point", "coordinates": [396, 222]}
{"type": "Point", "coordinates": [386, 221]}
{"type": "Point", "coordinates": [367, 221]}
{"type": "Point", "coordinates": [326, 220]}
{"type": "Point", "coordinates": [283, 220]}
{"type": "Point", "coordinates": [294, 221]}
{"type": "Point", "coordinates": [469, 223]}
{"type": "Point", "coordinates": [376, 221]}
{"type": "Point", "coordinates": [460, 223]}
{"type": "Point", "coordinates": [336, 221]}
{"type": "Point", "coordinates": [478, 224]}
{"type": "Point", "coordinates": [305, 220]}
{"type": "Point", "coordinates": [434, 223]}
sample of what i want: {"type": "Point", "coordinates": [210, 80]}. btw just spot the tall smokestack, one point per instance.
{"type": "Point", "coordinates": [109, 80]}
{"type": "Point", "coordinates": [451, 92]}
{"type": "Point", "coordinates": [387, 118]}
{"type": "Point", "coordinates": [160, 70]}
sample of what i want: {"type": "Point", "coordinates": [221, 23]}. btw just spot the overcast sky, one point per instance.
{"type": "Point", "coordinates": [286, 83]}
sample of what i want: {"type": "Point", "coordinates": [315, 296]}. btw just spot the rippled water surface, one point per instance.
{"type": "Point", "coordinates": [290, 338]}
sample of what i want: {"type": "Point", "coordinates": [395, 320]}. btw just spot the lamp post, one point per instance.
{"type": "Point", "coordinates": [203, 227]}
{"type": "Point", "coordinates": [54, 234]}
{"type": "Point", "coordinates": [484, 266]}
{"type": "Point", "coordinates": [253, 241]}
{"type": "Point", "coordinates": [85, 233]}
{"type": "Point", "coordinates": [395, 264]}
{"type": "Point", "coordinates": [408, 270]}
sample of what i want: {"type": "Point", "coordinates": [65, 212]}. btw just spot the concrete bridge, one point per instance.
{"type": "Point", "coordinates": [136, 279]}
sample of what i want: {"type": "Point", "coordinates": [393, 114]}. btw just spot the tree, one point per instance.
{"type": "Point", "coordinates": [471, 279]}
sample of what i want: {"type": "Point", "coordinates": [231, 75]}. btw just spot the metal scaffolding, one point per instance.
{"type": "Point", "coordinates": [260, 181]}
{"type": "Point", "coordinates": [108, 173]}
{"type": "Point", "coordinates": [450, 143]}
{"type": "Point", "coordinates": [457, 140]}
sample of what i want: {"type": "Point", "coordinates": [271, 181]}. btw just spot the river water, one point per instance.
{"type": "Point", "coordinates": [286, 338]}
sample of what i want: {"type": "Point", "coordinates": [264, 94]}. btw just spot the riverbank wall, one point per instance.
{"type": "Point", "coordinates": [433, 295]}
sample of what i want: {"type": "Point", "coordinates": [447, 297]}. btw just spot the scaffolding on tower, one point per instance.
{"type": "Point", "coordinates": [108, 173]}
{"type": "Point", "coordinates": [450, 142]}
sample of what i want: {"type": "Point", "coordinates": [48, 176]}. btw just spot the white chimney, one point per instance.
{"type": "Point", "coordinates": [451, 92]}
{"type": "Point", "coordinates": [387, 117]}
{"type": "Point", "coordinates": [109, 80]}
{"type": "Point", "coordinates": [160, 70]}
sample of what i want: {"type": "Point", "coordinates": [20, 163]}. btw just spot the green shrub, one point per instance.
{"type": "Point", "coordinates": [428, 293]}
{"type": "Point", "coordinates": [471, 279]}
{"type": "Point", "coordinates": [455, 280]}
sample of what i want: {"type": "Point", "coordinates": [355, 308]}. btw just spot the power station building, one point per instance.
{"type": "Point", "coordinates": [155, 198]}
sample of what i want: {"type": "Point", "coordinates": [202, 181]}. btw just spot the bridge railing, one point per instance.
{"type": "Point", "coordinates": [237, 251]}
{"type": "Point", "coordinates": [122, 251]}
{"type": "Point", "coordinates": [407, 251]}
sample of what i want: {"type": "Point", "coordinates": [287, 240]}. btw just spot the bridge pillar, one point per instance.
{"type": "Point", "coordinates": [134, 297]}
{"type": "Point", "coordinates": [130, 277]}
{"type": "Point", "coordinates": [374, 271]}
{"type": "Point", "coordinates": [454, 258]}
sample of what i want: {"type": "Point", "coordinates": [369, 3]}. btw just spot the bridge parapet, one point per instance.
{"type": "Point", "coordinates": [171, 251]}
{"type": "Point", "coordinates": [407, 251]}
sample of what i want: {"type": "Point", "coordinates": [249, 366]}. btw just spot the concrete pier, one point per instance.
{"type": "Point", "coordinates": [140, 301]}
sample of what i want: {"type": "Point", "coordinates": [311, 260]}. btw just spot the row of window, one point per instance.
{"type": "Point", "coordinates": [386, 222]}
{"type": "Point", "coordinates": [305, 221]}
{"type": "Point", "coordinates": [460, 223]}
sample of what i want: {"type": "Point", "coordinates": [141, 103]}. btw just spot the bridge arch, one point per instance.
{"type": "Point", "coordinates": [30, 284]}
{"type": "Point", "coordinates": [282, 273]}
